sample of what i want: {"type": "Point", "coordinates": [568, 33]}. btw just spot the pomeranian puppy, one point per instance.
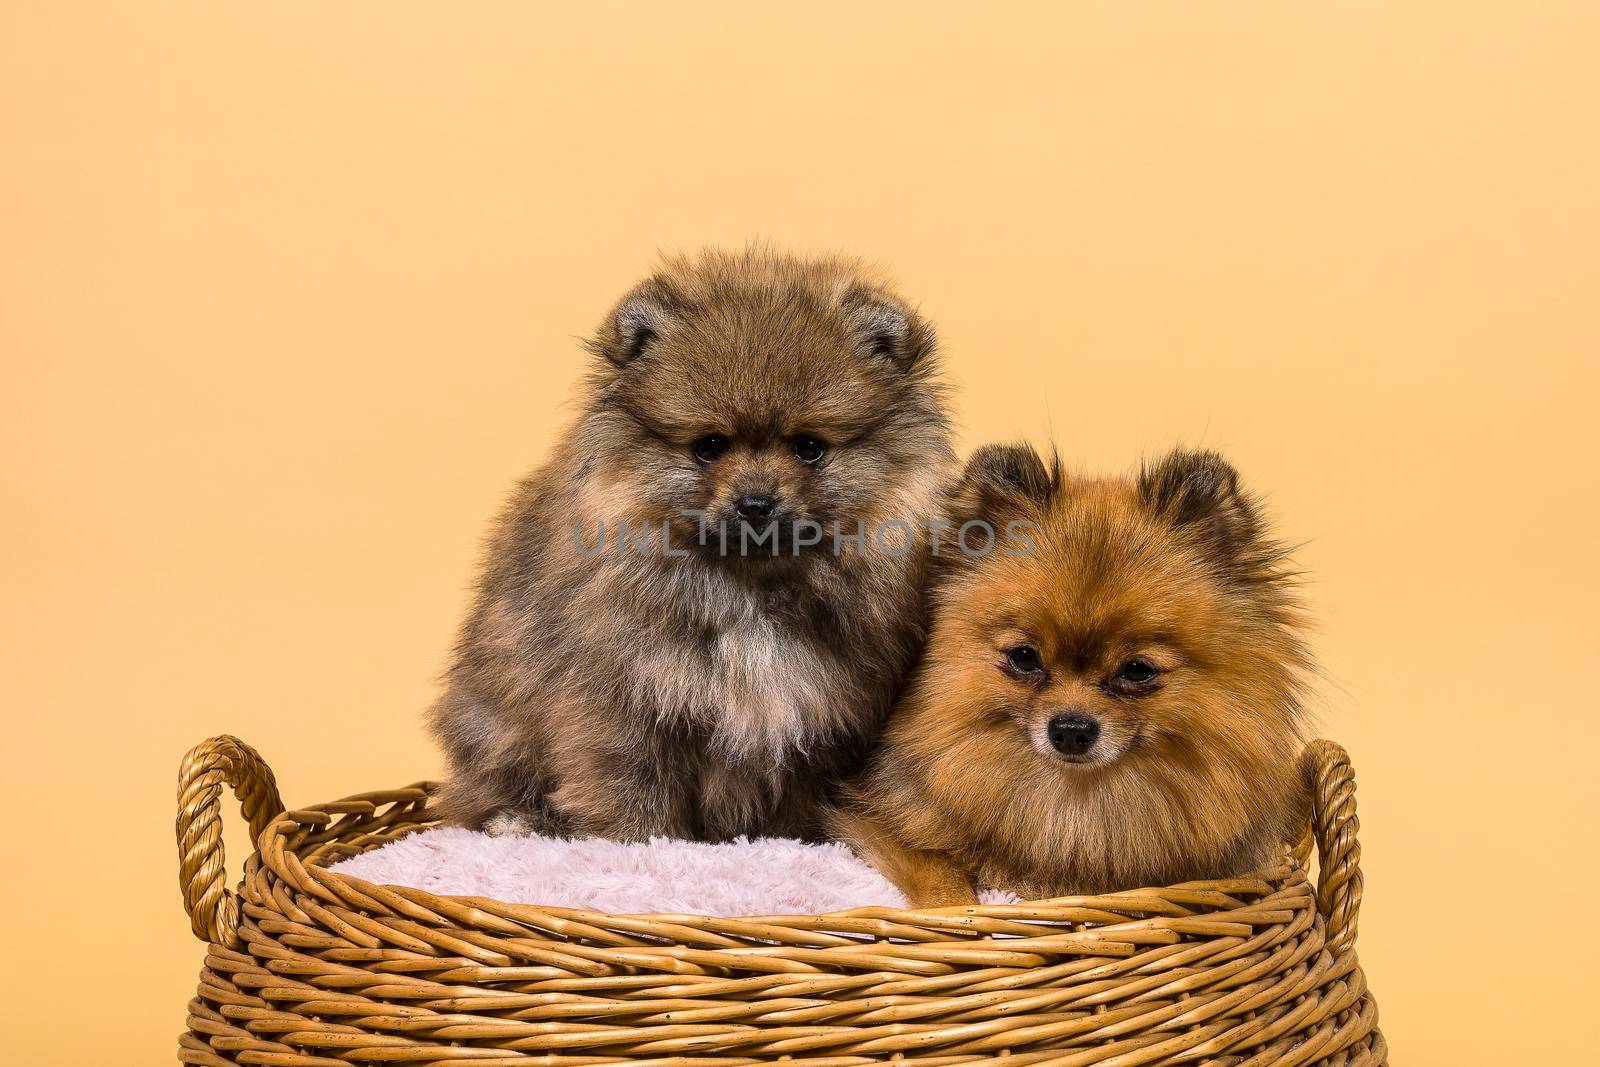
{"type": "Point", "coordinates": [1114, 701]}
{"type": "Point", "coordinates": [694, 617]}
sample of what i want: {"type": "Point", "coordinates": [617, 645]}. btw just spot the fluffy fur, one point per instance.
{"type": "Point", "coordinates": [761, 877]}
{"type": "Point", "coordinates": [1192, 772]}
{"type": "Point", "coordinates": [643, 682]}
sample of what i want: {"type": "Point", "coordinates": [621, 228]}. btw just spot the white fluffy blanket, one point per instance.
{"type": "Point", "coordinates": [766, 876]}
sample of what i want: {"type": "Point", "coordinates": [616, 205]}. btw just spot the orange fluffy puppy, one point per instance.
{"type": "Point", "coordinates": [1110, 700]}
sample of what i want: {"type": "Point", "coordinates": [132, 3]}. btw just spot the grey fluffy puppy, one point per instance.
{"type": "Point", "coordinates": [677, 631]}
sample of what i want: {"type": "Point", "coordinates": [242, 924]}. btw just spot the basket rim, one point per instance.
{"type": "Point", "coordinates": [363, 821]}
{"type": "Point", "coordinates": [1109, 928]}
{"type": "Point", "coordinates": [1152, 899]}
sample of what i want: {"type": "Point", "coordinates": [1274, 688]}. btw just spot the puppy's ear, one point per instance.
{"type": "Point", "coordinates": [1001, 482]}
{"type": "Point", "coordinates": [636, 322]}
{"type": "Point", "coordinates": [1199, 491]}
{"type": "Point", "coordinates": [887, 328]}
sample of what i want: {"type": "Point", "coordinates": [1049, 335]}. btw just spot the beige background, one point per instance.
{"type": "Point", "coordinates": [290, 294]}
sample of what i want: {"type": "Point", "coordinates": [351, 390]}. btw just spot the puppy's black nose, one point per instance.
{"type": "Point", "coordinates": [754, 507]}
{"type": "Point", "coordinates": [1074, 733]}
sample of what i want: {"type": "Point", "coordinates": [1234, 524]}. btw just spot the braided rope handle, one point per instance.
{"type": "Point", "coordinates": [1332, 783]}
{"type": "Point", "coordinates": [213, 908]}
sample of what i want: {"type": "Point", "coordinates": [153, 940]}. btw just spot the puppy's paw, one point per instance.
{"type": "Point", "coordinates": [510, 824]}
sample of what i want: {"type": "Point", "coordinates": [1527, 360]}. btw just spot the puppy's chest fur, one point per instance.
{"type": "Point", "coordinates": [748, 674]}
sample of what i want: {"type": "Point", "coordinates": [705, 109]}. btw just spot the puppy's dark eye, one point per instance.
{"type": "Point", "coordinates": [710, 447]}
{"type": "Point", "coordinates": [1024, 659]}
{"type": "Point", "coordinates": [808, 450]}
{"type": "Point", "coordinates": [1135, 675]}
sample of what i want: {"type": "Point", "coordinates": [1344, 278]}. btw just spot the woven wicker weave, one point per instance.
{"type": "Point", "coordinates": [307, 967]}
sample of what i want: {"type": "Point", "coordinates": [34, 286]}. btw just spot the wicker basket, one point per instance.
{"type": "Point", "coordinates": [307, 967]}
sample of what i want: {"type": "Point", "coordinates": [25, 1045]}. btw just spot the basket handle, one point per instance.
{"type": "Point", "coordinates": [1332, 783]}
{"type": "Point", "coordinates": [214, 908]}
